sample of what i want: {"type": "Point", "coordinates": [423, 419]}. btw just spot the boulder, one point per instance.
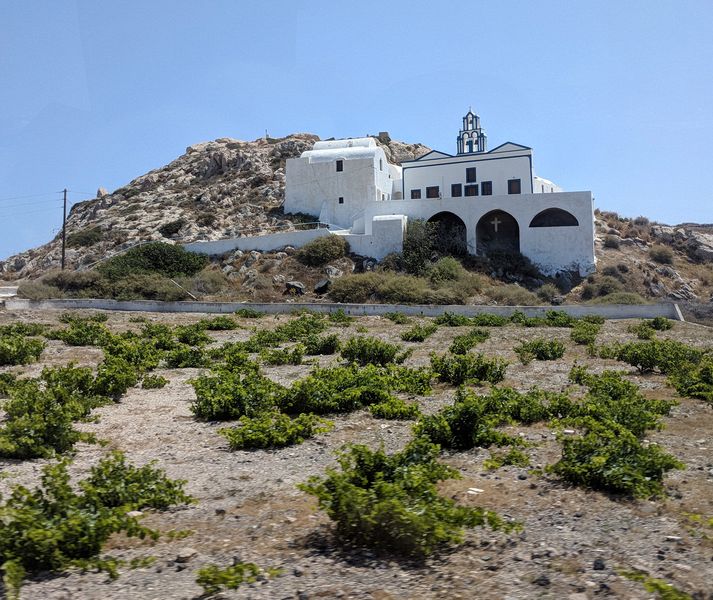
{"type": "Point", "coordinates": [333, 272]}
{"type": "Point", "coordinates": [295, 287]}
{"type": "Point", "coordinates": [101, 192]}
{"type": "Point", "coordinates": [322, 286]}
{"type": "Point", "coordinates": [700, 246]}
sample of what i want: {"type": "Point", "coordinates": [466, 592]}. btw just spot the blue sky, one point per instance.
{"type": "Point", "coordinates": [614, 97]}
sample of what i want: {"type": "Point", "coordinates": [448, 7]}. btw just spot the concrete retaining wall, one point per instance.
{"type": "Point", "coordinates": [608, 311]}
{"type": "Point", "coordinates": [263, 243]}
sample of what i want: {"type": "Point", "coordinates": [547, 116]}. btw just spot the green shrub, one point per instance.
{"type": "Point", "coordinates": [153, 382]}
{"type": "Point", "coordinates": [213, 578]}
{"type": "Point", "coordinates": [472, 420]}
{"type": "Point", "coordinates": [585, 333]}
{"type": "Point", "coordinates": [155, 257]}
{"type": "Point", "coordinates": [445, 269]}
{"type": "Point", "coordinates": [344, 389]}
{"type": "Point", "coordinates": [227, 395]}
{"type": "Point", "coordinates": [219, 323]}
{"type": "Point", "coordinates": [642, 330]}
{"type": "Point", "coordinates": [54, 527]}
{"type": "Point", "coordinates": [468, 368]}
{"type": "Point", "coordinates": [488, 320]}
{"type": "Point", "coordinates": [462, 343]}
{"type": "Point", "coordinates": [514, 456]}
{"type": "Point", "coordinates": [273, 430]}
{"type": "Point", "coordinates": [19, 350]}
{"type": "Point", "coordinates": [193, 335]}
{"type": "Point", "coordinates": [186, 357]}
{"type": "Point", "coordinates": [664, 591]}
{"type": "Point", "coordinates": [694, 380]}
{"type": "Point", "coordinates": [146, 286]}
{"type": "Point", "coordinates": [115, 375]}
{"type": "Point", "coordinates": [283, 356]}
{"type": "Point", "coordinates": [249, 313]}
{"type": "Point", "coordinates": [664, 356]}
{"type": "Point", "coordinates": [391, 288]}
{"type": "Point", "coordinates": [512, 295]}
{"type": "Point", "coordinates": [138, 351]}
{"type": "Point", "coordinates": [84, 238]}
{"type": "Point", "coordinates": [539, 349]}
{"type": "Point", "coordinates": [417, 246]}
{"type": "Point", "coordinates": [81, 332]}
{"type": "Point", "coordinates": [340, 318]}
{"type": "Point", "coordinates": [419, 333]}
{"type": "Point", "coordinates": [620, 298]}
{"type": "Point", "coordinates": [611, 241]}
{"type": "Point", "coordinates": [325, 344]}
{"type": "Point", "coordinates": [610, 457]}
{"type": "Point", "coordinates": [660, 323]}
{"type": "Point", "coordinates": [171, 228]}
{"type": "Point", "coordinates": [395, 409]}
{"type": "Point", "coordinates": [24, 329]}
{"type": "Point", "coordinates": [661, 254]}
{"type": "Point", "coordinates": [548, 292]}
{"type": "Point", "coordinates": [322, 250]}
{"type": "Point", "coordinates": [452, 320]}
{"type": "Point", "coordinates": [7, 381]}
{"type": "Point", "coordinates": [372, 351]}
{"type": "Point", "coordinates": [38, 290]}
{"type": "Point", "coordinates": [397, 317]}
{"type": "Point", "coordinates": [390, 502]}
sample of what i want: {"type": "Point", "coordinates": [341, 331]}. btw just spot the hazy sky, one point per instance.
{"type": "Point", "coordinates": [614, 97]}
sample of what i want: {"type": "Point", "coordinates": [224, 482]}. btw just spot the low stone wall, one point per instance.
{"type": "Point", "coordinates": [263, 243]}
{"type": "Point", "coordinates": [608, 311]}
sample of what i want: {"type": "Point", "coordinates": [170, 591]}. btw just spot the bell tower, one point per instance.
{"type": "Point", "coordinates": [471, 137]}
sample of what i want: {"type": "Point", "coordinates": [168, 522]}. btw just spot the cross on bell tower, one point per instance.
{"type": "Point", "coordinates": [471, 138]}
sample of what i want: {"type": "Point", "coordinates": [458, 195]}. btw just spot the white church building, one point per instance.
{"type": "Point", "coordinates": [481, 200]}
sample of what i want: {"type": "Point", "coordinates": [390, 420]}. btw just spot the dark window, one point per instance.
{"type": "Point", "coordinates": [341, 200]}
{"type": "Point", "coordinates": [415, 194]}
{"type": "Point", "coordinates": [554, 217]}
{"type": "Point", "coordinates": [381, 165]}
{"type": "Point", "coordinates": [456, 190]}
{"type": "Point", "coordinates": [432, 192]}
{"type": "Point", "coordinates": [471, 190]}
{"type": "Point", "coordinates": [486, 188]}
{"type": "Point", "coordinates": [340, 165]}
{"type": "Point", "coordinates": [470, 175]}
{"type": "Point", "coordinates": [513, 186]}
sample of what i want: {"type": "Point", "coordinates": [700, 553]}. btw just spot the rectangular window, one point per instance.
{"type": "Point", "coordinates": [470, 175]}
{"type": "Point", "coordinates": [456, 190]}
{"type": "Point", "coordinates": [381, 164]}
{"type": "Point", "coordinates": [340, 165]}
{"type": "Point", "coordinates": [513, 186]}
{"type": "Point", "coordinates": [341, 200]}
{"type": "Point", "coordinates": [432, 192]}
{"type": "Point", "coordinates": [486, 188]}
{"type": "Point", "coordinates": [415, 194]}
{"type": "Point", "coordinates": [471, 190]}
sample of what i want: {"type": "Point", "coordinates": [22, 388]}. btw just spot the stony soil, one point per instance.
{"type": "Point", "coordinates": [573, 544]}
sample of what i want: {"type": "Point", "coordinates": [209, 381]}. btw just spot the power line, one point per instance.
{"type": "Point", "coordinates": [33, 203]}
{"type": "Point", "coordinates": [8, 198]}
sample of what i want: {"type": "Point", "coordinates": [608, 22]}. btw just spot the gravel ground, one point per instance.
{"type": "Point", "coordinates": [573, 544]}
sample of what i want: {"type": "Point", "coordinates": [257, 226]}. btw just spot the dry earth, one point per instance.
{"type": "Point", "coordinates": [573, 544]}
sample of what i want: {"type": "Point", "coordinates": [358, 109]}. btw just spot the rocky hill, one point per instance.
{"type": "Point", "coordinates": [224, 188]}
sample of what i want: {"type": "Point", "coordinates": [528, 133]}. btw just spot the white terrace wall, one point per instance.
{"type": "Point", "coordinates": [263, 243]}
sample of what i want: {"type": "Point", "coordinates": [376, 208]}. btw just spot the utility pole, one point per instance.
{"type": "Point", "coordinates": [64, 226]}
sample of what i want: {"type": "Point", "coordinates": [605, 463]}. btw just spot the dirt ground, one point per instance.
{"type": "Point", "coordinates": [573, 545]}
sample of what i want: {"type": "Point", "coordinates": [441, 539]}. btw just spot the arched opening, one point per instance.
{"type": "Point", "coordinates": [554, 217]}
{"type": "Point", "coordinates": [449, 234]}
{"type": "Point", "coordinates": [497, 230]}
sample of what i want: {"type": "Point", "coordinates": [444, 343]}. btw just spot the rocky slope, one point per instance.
{"type": "Point", "coordinates": [218, 189]}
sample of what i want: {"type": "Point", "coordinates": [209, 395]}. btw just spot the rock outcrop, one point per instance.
{"type": "Point", "coordinates": [219, 189]}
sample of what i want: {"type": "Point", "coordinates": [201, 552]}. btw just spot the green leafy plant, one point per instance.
{"type": "Point", "coordinates": [372, 351]}
{"type": "Point", "coordinates": [665, 591]}
{"type": "Point", "coordinates": [514, 456]}
{"type": "Point", "coordinates": [540, 349]}
{"type": "Point", "coordinates": [452, 320]}
{"type": "Point", "coordinates": [419, 333]}
{"type": "Point", "coordinates": [213, 578]}
{"type": "Point", "coordinates": [320, 251]}
{"type": "Point", "coordinates": [585, 333]}
{"type": "Point", "coordinates": [340, 318]}
{"type": "Point", "coordinates": [219, 323]}
{"type": "Point", "coordinates": [397, 317]}
{"type": "Point", "coordinates": [395, 408]}
{"type": "Point", "coordinates": [273, 430]}
{"type": "Point", "coordinates": [467, 341]}
{"type": "Point", "coordinates": [468, 368]}
{"type": "Point", "coordinates": [249, 313]}
{"type": "Point", "coordinates": [283, 356]}
{"type": "Point", "coordinates": [390, 502]}
{"type": "Point", "coordinates": [54, 527]}
{"type": "Point", "coordinates": [168, 260]}
{"type": "Point", "coordinates": [643, 330]}
{"type": "Point", "coordinates": [186, 357]}
{"type": "Point", "coordinates": [153, 382]}
{"type": "Point", "coordinates": [321, 345]}
{"type": "Point", "coordinates": [660, 323]}
{"type": "Point", "coordinates": [19, 350]}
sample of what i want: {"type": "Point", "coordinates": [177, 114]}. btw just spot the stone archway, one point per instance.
{"type": "Point", "coordinates": [450, 234]}
{"type": "Point", "coordinates": [497, 230]}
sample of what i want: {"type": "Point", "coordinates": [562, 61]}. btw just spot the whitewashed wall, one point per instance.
{"type": "Point", "coordinates": [498, 168]}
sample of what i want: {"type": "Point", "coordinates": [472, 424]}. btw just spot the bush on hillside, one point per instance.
{"type": "Point", "coordinates": [273, 430]}
{"type": "Point", "coordinates": [84, 238]}
{"type": "Point", "coordinates": [155, 257]}
{"type": "Point", "coordinates": [171, 228]}
{"type": "Point", "coordinates": [661, 254]}
{"type": "Point", "coordinates": [418, 246]}
{"type": "Point", "coordinates": [320, 251]}
{"type": "Point", "coordinates": [611, 241]}
{"type": "Point", "coordinates": [392, 288]}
